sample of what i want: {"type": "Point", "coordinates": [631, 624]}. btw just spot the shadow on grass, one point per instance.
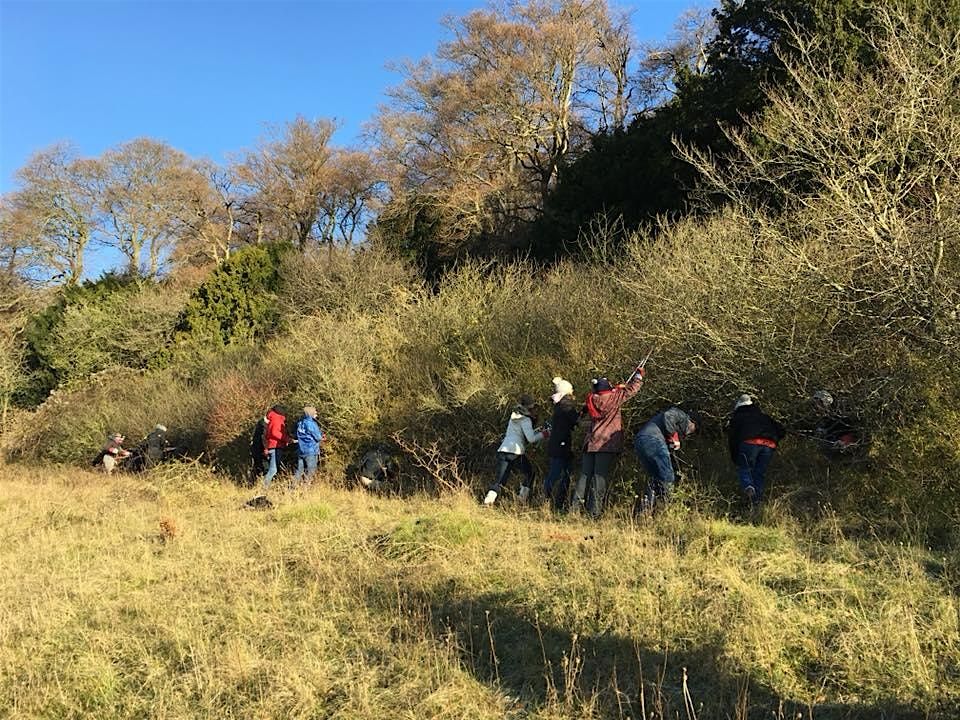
{"type": "Point", "coordinates": [609, 676]}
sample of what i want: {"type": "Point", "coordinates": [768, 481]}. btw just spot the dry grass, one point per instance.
{"type": "Point", "coordinates": [160, 597]}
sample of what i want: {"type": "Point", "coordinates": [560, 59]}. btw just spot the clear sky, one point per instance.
{"type": "Point", "coordinates": [205, 76]}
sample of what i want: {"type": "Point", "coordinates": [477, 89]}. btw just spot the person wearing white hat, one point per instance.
{"type": "Point", "coordinates": [157, 445]}
{"type": "Point", "coordinates": [753, 438]}
{"type": "Point", "coordinates": [838, 435]}
{"type": "Point", "coordinates": [560, 446]}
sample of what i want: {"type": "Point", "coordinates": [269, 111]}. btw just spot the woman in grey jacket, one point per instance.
{"type": "Point", "coordinates": [511, 453]}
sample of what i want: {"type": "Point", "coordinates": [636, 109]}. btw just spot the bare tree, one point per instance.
{"type": "Point", "coordinates": [484, 128]}
{"type": "Point", "coordinates": [209, 215]}
{"type": "Point", "coordinates": [286, 177]}
{"type": "Point", "coordinates": [609, 93]}
{"type": "Point", "coordinates": [355, 188]}
{"type": "Point", "coordinates": [50, 220]}
{"type": "Point", "coordinates": [142, 190]}
{"type": "Point", "coordinates": [684, 52]}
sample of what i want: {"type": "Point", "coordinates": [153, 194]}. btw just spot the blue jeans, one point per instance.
{"type": "Point", "coordinates": [308, 462]}
{"type": "Point", "coordinates": [654, 455]}
{"type": "Point", "coordinates": [271, 469]}
{"type": "Point", "coordinates": [752, 461]}
{"type": "Point", "coordinates": [557, 481]}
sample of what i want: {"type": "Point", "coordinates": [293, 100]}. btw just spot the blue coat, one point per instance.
{"type": "Point", "coordinates": [309, 436]}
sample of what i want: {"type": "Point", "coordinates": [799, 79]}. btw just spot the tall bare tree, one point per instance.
{"type": "Point", "coordinates": [354, 191]}
{"type": "Point", "coordinates": [142, 190]}
{"type": "Point", "coordinates": [286, 177]}
{"type": "Point", "coordinates": [51, 217]}
{"type": "Point", "coordinates": [684, 52]}
{"type": "Point", "coordinates": [209, 215]}
{"type": "Point", "coordinates": [484, 128]}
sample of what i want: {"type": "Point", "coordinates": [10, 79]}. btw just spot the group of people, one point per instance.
{"type": "Point", "coordinates": [374, 471]}
{"type": "Point", "coordinates": [270, 438]}
{"type": "Point", "coordinates": [145, 455]}
{"type": "Point", "coordinates": [753, 437]}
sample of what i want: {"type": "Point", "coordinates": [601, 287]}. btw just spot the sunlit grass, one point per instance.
{"type": "Point", "coordinates": [162, 597]}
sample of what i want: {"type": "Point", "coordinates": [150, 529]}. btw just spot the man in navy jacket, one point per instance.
{"type": "Point", "coordinates": [753, 438]}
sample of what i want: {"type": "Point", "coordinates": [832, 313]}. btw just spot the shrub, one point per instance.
{"type": "Point", "coordinates": [351, 280]}
{"type": "Point", "coordinates": [235, 305]}
{"type": "Point", "coordinates": [114, 322]}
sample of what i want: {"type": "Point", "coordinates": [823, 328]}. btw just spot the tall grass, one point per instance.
{"type": "Point", "coordinates": [159, 596]}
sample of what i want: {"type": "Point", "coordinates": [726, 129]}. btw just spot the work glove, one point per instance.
{"type": "Point", "coordinates": [674, 445]}
{"type": "Point", "coordinates": [641, 371]}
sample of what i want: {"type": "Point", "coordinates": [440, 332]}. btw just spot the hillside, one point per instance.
{"type": "Point", "coordinates": [158, 596]}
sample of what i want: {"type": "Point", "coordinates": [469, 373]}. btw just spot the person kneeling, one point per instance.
{"type": "Point", "coordinates": [378, 468]}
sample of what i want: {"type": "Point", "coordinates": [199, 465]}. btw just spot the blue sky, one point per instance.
{"type": "Point", "coordinates": [206, 76]}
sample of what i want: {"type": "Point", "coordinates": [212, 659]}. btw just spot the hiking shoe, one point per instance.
{"type": "Point", "coordinates": [490, 498]}
{"type": "Point", "coordinates": [751, 494]}
{"type": "Point", "coordinates": [524, 493]}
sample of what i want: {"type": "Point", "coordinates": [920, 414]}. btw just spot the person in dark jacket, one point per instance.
{"type": "Point", "coordinates": [604, 441]}
{"type": "Point", "coordinates": [275, 438]}
{"type": "Point", "coordinates": [258, 462]}
{"type": "Point", "coordinates": [156, 446]}
{"type": "Point", "coordinates": [378, 468]}
{"type": "Point", "coordinates": [661, 435]}
{"type": "Point", "coordinates": [753, 437]}
{"type": "Point", "coordinates": [560, 446]}
{"type": "Point", "coordinates": [837, 434]}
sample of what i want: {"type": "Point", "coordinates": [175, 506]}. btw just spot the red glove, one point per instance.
{"type": "Point", "coordinates": [641, 371]}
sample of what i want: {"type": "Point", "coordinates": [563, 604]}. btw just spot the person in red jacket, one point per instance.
{"type": "Point", "coordinates": [604, 441]}
{"type": "Point", "coordinates": [275, 438]}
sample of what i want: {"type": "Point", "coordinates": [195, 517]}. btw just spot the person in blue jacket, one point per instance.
{"type": "Point", "coordinates": [309, 437]}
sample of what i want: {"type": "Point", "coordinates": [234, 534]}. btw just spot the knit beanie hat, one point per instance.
{"type": "Point", "coordinates": [823, 397]}
{"type": "Point", "coordinates": [561, 388]}
{"type": "Point", "coordinates": [602, 384]}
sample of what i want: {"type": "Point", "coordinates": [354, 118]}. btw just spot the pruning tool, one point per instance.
{"type": "Point", "coordinates": [642, 364]}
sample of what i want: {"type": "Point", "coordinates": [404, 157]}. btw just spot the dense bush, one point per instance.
{"type": "Point", "coordinates": [235, 305]}
{"type": "Point", "coordinates": [114, 322]}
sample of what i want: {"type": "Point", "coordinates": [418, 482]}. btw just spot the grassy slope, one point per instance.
{"type": "Point", "coordinates": [161, 598]}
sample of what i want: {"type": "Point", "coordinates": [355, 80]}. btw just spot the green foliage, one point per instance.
{"type": "Point", "coordinates": [235, 305]}
{"type": "Point", "coordinates": [117, 321]}
{"type": "Point", "coordinates": [636, 174]}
